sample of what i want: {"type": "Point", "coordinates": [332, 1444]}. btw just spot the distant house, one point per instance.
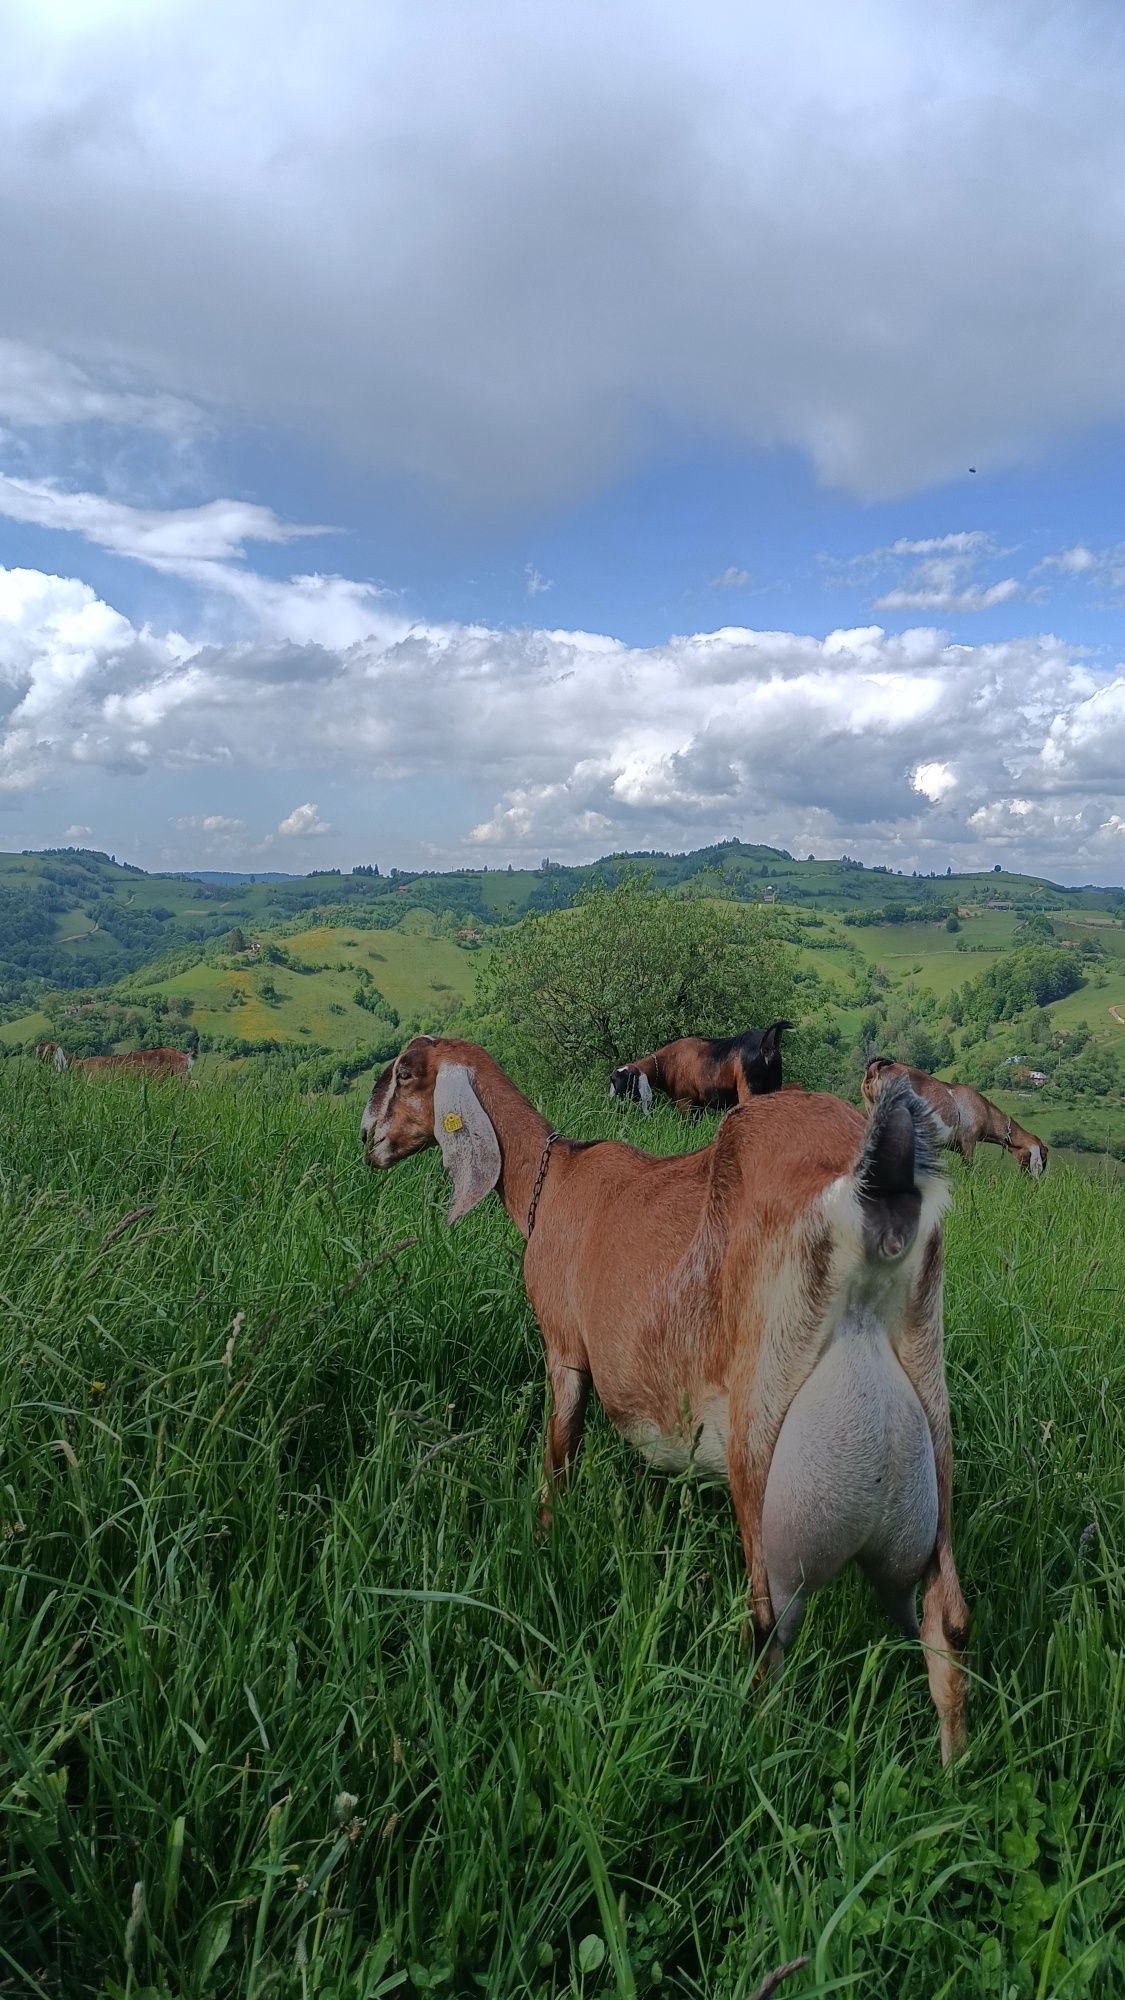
{"type": "Point", "coordinates": [469, 935]}
{"type": "Point", "coordinates": [769, 893]}
{"type": "Point", "coordinates": [1036, 1078]}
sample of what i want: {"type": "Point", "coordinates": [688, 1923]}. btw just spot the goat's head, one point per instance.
{"type": "Point", "coordinates": [628, 1080]}
{"type": "Point", "coordinates": [761, 1060]}
{"type": "Point", "coordinates": [1029, 1154]}
{"type": "Point", "coordinates": [50, 1052]}
{"type": "Point", "coordinates": [874, 1077]}
{"type": "Point", "coordinates": [427, 1097]}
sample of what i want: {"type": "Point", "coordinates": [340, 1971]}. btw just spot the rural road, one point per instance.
{"type": "Point", "coordinates": [1118, 1016]}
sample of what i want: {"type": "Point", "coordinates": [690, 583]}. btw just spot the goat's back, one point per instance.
{"type": "Point", "coordinates": [625, 1269]}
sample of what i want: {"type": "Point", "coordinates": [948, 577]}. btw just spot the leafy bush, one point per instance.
{"type": "Point", "coordinates": [1031, 977]}
{"type": "Point", "coordinates": [627, 968]}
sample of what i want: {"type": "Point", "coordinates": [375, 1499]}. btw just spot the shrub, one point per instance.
{"type": "Point", "coordinates": [625, 969]}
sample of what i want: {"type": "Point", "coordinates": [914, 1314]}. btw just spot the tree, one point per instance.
{"type": "Point", "coordinates": [577, 990]}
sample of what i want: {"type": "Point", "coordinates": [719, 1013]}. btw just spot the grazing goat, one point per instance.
{"type": "Point", "coordinates": [767, 1309]}
{"type": "Point", "coordinates": [705, 1075]}
{"type": "Point", "coordinates": [964, 1119]}
{"type": "Point", "coordinates": [148, 1062]}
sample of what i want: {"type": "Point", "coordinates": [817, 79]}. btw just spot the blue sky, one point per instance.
{"type": "Point", "coordinates": [477, 436]}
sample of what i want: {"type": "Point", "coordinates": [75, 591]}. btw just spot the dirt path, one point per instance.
{"type": "Point", "coordinates": [1118, 1016]}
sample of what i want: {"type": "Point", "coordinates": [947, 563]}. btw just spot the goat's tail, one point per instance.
{"type": "Point", "coordinates": [898, 1161]}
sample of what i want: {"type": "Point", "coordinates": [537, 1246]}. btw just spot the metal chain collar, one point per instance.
{"type": "Point", "coordinates": [539, 1179]}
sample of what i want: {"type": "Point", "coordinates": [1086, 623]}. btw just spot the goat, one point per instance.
{"type": "Point", "coordinates": [964, 1118]}
{"type": "Point", "coordinates": [705, 1075]}
{"type": "Point", "coordinates": [767, 1309]}
{"type": "Point", "coordinates": [148, 1062]}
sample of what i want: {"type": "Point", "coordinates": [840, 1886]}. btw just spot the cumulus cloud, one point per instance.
{"type": "Point", "coordinates": [504, 249]}
{"type": "Point", "coordinates": [902, 745]}
{"type": "Point", "coordinates": [933, 780]}
{"type": "Point", "coordinates": [301, 823]}
{"type": "Point", "coordinates": [77, 832]}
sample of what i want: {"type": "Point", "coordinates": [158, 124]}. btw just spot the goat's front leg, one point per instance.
{"type": "Point", "coordinates": [569, 1389]}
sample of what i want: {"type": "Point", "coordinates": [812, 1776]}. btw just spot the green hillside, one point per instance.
{"type": "Point", "coordinates": [336, 970]}
{"type": "Point", "coordinates": [71, 918]}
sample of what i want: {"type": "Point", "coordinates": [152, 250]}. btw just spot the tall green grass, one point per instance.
{"type": "Point", "coordinates": [293, 1702]}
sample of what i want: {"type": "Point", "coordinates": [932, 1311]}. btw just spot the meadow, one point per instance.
{"type": "Point", "coordinates": [294, 1701]}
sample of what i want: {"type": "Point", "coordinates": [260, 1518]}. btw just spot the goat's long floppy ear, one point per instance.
{"type": "Point", "coordinates": [463, 1130]}
{"type": "Point", "coordinates": [644, 1092]}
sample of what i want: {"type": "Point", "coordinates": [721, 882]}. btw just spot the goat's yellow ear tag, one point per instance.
{"type": "Point", "coordinates": [451, 1122]}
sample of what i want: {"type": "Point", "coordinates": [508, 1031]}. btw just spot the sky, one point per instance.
{"type": "Point", "coordinates": [441, 435]}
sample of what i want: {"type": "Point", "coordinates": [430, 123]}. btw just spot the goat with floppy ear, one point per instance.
{"type": "Point", "coordinates": [963, 1119]}
{"type": "Point", "coordinates": [767, 1309]}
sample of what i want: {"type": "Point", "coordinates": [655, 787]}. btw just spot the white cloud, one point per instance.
{"type": "Point", "coordinates": [1077, 561]}
{"type": "Point", "coordinates": [932, 573]}
{"type": "Point", "coordinates": [301, 823]}
{"type": "Point", "coordinates": [934, 781]}
{"type": "Point", "coordinates": [941, 593]}
{"type": "Point", "coordinates": [896, 745]}
{"type": "Point", "coordinates": [212, 823]}
{"type": "Point", "coordinates": [1100, 567]}
{"type": "Point", "coordinates": [176, 539]}
{"type": "Point", "coordinates": [507, 252]}
{"type": "Point", "coordinates": [206, 545]}
{"type": "Point", "coordinates": [729, 579]}
{"type": "Point", "coordinates": [77, 832]}
{"type": "Point", "coordinates": [536, 584]}
{"type": "Point", "coordinates": [969, 542]}
{"type": "Point", "coordinates": [41, 390]}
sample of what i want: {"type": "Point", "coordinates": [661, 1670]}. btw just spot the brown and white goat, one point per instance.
{"type": "Point", "coordinates": [767, 1309]}
{"type": "Point", "coordinates": [146, 1062]}
{"type": "Point", "coordinates": [698, 1074]}
{"type": "Point", "coordinates": [964, 1119]}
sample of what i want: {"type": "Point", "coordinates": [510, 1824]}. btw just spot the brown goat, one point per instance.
{"type": "Point", "coordinates": [702, 1075]}
{"type": "Point", "coordinates": [964, 1119]}
{"type": "Point", "coordinates": [146, 1062]}
{"type": "Point", "coordinates": [767, 1309]}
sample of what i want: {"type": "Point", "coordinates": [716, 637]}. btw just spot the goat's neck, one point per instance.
{"type": "Point", "coordinates": [997, 1129]}
{"type": "Point", "coordinates": [521, 1133]}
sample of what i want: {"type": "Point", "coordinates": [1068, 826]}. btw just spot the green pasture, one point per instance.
{"type": "Point", "coordinates": [295, 1702]}
{"type": "Point", "coordinates": [416, 973]}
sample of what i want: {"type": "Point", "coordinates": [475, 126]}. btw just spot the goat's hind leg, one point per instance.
{"type": "Point", "coordinates": [945, 1631]}
{"type": "Point", "coordinates": [569, 1389]}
